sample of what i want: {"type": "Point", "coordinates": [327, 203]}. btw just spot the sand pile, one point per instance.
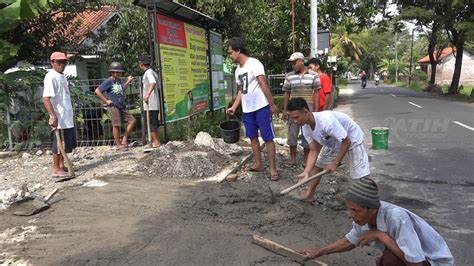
{"type": "Point", "coordinates": [184, 160]}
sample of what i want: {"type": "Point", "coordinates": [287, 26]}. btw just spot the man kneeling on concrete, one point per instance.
{"type": "Point", "coordinates": [406, 238]}
{"type": "Point", "coordinates": [330, 136]}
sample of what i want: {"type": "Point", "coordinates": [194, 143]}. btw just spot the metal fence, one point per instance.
{"type": "Point", "coordinates": [25, 125]}
{"type": "Point", "coordinates": [275, 82]}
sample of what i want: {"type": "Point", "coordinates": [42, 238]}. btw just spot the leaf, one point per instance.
{"type": "Point", "coordinates": [7, 50]}
{"type": "Point", "coordinates": [10, 16]}
{"type": "Point", "coordinates": [30, 9]}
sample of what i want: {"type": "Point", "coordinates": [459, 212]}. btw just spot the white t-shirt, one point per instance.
{"type": "Point", "coordinates": [149, 77]}
{"type": "Point", "coordinates": [253, 98]}
{"type": "Point", "coordinates": [56, 86]}
{"type": "Point", "coordinates": [332, 128]}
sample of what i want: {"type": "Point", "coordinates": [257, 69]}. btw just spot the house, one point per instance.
{"type": "Point", "coordinates": [445, 67]}
{"type": "Point", "coordinates": [83, 26]}
{"type": "Point", "coordinates": [86, 24]}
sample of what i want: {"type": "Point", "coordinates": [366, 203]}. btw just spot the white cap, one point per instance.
{"type": "Point", "coordinates": [296, 56]}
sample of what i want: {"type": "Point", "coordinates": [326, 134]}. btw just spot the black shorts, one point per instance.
{"type": "Point", "coordinates": [69, 135]}
{"type": "Point", "coordinates": [154, 119]}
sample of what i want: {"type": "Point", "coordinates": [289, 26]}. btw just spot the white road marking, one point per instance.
{"type": "Point", "coordinates": [382, 89]}
{"type": "Point", "coordinates": [463, 125]}
{"type": "Point", "coordinates": [416, 105]}
{"type": "Point", "coordinates": [393, 95]}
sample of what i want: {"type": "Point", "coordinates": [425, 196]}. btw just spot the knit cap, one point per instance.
{"type": "Point", "coordinates": [364, 192]}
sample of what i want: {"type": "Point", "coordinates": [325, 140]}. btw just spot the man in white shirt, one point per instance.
{"type": "Point", "coordinates": [57, 101]}
{"type": "Point", "coordinates": [330, 135]}
{"type": "Point", "coordinates": [405, 237]}
{"type": "Point", "coordinates": [257, 104]}
{"type": "Point", "coordinates": [151, 101]}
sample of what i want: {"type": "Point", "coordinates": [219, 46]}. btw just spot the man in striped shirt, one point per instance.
{"type": "Point", "coordinates": [301, 82]}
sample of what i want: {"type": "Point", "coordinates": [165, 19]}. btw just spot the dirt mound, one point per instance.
{"type": "Point", "coordinates": [184, 160]}
{"type": "Point", "coordinates": [331, 192]}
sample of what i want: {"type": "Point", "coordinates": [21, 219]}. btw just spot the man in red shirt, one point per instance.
{"type": "Point", "coordinates": [325, 96]}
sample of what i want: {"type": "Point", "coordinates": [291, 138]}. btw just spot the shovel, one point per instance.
{"type": "Point", "coordinates": [302, 182]}
{"type": "Point", "coordinates": [62, 151]}
{"type": "Point", "coordinates": [30, 206]}
{"type": "Point", "coordinates": [150, 148]}
{"type": "Point", "coordinates": [299, 184]}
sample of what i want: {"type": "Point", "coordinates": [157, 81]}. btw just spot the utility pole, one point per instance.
{"type": "Point", "coordinates": [314, 28]}
{"type": "Point", "coordinates": [411, 56]}
{"type": "Point", "coordinates": [396, 58]}
{"type": "Point", "coordinates": [293, 23]}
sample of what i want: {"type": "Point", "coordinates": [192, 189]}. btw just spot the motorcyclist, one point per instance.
{"type": "Point", "coordinates": [363, 77]}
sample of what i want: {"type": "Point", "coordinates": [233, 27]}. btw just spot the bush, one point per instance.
{"type": "Point", "coordinates": [278, 100]}
{"type": "Point", "coordinates": [186, 129]}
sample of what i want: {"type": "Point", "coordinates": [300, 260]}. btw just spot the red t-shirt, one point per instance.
{"type": "Point", "coordinates": [324, 91]}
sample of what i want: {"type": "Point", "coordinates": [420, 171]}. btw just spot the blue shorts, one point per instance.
{"type": "Point", "coordinates": [260, 119]}
{"type": "Point", "coordinates": [69, 135]}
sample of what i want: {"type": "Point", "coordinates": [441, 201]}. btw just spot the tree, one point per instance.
{"type": "Point", "coordinates": [344, 43]}
{"type": "Point", "coordinates": [454, 16]}
{"type": "Point", "coordinates": [459, 25]}
{"type": "Point", "coordinates": [426, 15]}
{"type": "Point", "coordinates": [35, 28]}
{"type": "Point", "coordinates": [266, 25]}
{"type": "Point", "coordinates": [13, 14]}
{"type": "Point", "coordinates": [125, 40]}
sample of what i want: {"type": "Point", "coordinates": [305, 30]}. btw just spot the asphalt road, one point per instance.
{"type": "Point", "coordinates": [428, 167]}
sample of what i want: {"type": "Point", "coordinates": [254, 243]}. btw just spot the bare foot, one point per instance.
{"type": "Point", "coordinates": [253, 168]}
{"type": "Point", "coordinates": [274, 176]}
{"type": "Point", "coordinates": [307, 198]}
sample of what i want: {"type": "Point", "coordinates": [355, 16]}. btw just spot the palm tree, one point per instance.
{"type": "Point", "coordinates": [344, 43]}
{"type": "Point", "coordinates": [388, 67]}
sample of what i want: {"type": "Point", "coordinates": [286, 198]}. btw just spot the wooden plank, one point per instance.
{"type": "Point", "coordinates": [284, 251]}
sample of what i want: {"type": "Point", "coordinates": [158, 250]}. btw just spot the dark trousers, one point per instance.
{"type": "Point", "coordinates": [390, 259]}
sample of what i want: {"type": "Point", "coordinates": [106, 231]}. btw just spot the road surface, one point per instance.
{"type": "Point", "coordinates": [428, 167]}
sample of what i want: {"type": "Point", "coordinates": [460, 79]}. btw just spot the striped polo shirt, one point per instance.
{"type": "Point", "coordinates": [302, 85]}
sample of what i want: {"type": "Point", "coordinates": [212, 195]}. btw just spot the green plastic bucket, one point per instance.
{"type": "Point", "coordinates": [379, 138]}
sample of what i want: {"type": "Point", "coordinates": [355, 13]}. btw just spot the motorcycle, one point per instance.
{"type": "Point", "coordinates": [364, 83]}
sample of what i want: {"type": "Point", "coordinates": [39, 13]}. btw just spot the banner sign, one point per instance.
{"type": "Point", "coordinates": [184, 66]}
{"type": "Point", "coordinates": [217, 67]}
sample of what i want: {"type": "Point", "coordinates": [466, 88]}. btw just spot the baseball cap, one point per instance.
{"type": "Point", "coordinates": [296, 56]}
{"type": "Point", "coordinates": [58, 56]}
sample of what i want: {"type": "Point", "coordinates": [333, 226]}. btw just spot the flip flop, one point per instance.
{"type": "Point", "coordinates": [60, 174]}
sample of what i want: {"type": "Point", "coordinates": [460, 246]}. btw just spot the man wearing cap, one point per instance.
{"type": "Point", "coordinates": [151, 101]}
{"type": "Point", "coordinates": [57, 101]}
{"type": "Point", "coordinates": [301, 82]}
{"type": "Point", "coordinates": [111, 92]}
{"type": "Point", "coordinates": [405, 237]}
{"type": "Point", "coordinates": [325, 96]}
{"type": "Point", "coordinates": [331, 135]}
{"type": "Point", "coordinates": [257, 104]}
